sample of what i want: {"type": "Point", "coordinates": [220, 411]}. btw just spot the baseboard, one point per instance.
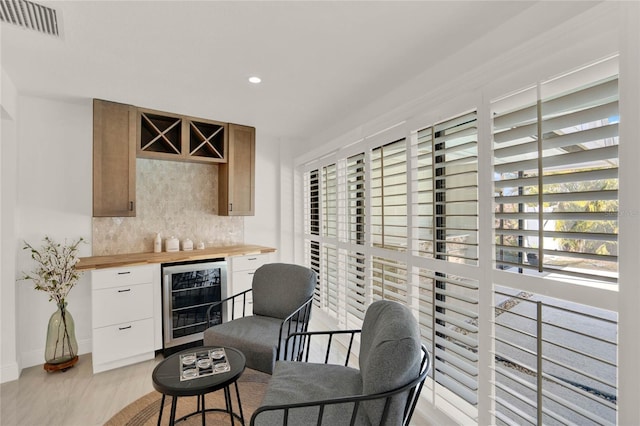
{"type": "Point", "coordinates": [426, 414]}
{"type": "Point", "coordinates": [9, 372]}
{"type": "Point", "coordinates": [99, 368]}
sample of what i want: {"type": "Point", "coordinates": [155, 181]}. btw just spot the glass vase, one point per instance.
{"type": "Point", "coordinates": [61, 337]}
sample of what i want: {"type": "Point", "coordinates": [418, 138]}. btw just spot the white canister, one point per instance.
{"type": "Point", "coordinates": [171, 244]}
{"type": "Point", "coordinates": [187, 244]}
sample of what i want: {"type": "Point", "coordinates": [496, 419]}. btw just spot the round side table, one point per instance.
{"type": "Point", "coordinates": [166, 380]}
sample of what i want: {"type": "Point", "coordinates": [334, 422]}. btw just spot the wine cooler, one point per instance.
{"type": "Point", "coordinates": [189, 289]}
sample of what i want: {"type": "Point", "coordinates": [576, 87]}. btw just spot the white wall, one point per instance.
{"type": "Point", "coordinates": [272, 224]}
{"type": "Point", "coordinates": [264, 227]}
{"type": "Point", "coordinates": [9, 369]}
{"type": "Point", "coordinates": [287, 246]}
{"type": "Point", "coordinates": [54, 187]}
{"type": "Point", "coordinates": [502, 60]}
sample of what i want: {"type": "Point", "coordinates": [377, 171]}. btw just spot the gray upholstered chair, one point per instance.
{"type": "Point", "coordinates": [384, 391]}
{"type": "Point", "coordinates": [282, 300]}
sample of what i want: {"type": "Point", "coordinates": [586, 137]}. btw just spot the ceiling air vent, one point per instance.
{"type": "Point", "coordinates": [28, 14]}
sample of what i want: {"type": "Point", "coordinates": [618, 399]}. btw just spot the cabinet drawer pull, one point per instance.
{"type": "Point", "coordinates": [124, 291]}
{"type": "Point", "coordinates": [251, 273]}
{"type": "Point", "coordinates": [124, 328]}
{"type": "Point", "coordinates": [124, 273]}
{"type": "Point", "coordinates": [252, 258]}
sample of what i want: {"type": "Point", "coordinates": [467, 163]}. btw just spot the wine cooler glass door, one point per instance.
{"type": "Point", "coordinates": [189, 291]}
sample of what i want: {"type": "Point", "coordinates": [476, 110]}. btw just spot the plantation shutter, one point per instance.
{"type": "Point", "coordinates": [446, 202]}
{"type": "Point", "coordinates": [312, 226]}
{"type": "Point", "coordinates": [455, 333]}
{"type": "Point", "coordinates": [389, 280]}
{"type": "Point", "coordinates": [555, 361]}
{"type": "Point", "coordinates": [423, 210]}
{"type": "Point", "coordinates": [356, 223]}
{"type": "Point", "coordinates": [330, 278]}
{"type": "Point", "coordinates": [312, 206]}
{"type": "Point", "coordinates": [330, 201]}
{"type": "Point", "coordinates": [389, 196]}
{"type": "Point", "coordinates": [556, 183]}
{"type": "Point", "coordinates": [356, 199]}
{"type": "Point", "coordinates": [456, 189]}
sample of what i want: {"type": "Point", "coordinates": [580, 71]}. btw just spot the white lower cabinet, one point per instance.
{"type": "Point", "coordinates": [122, 344]}
{"type": "Point", "coordinates": [241, 270]}
{"type": "Point", "coordinates": [122, 304]}
{"type": "Point", "coordinates": [127, 309]}
{"type": "Point", "coordinates": [124, 314]}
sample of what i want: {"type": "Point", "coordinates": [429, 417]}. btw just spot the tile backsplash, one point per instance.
{"type": "Point", "coordinates": [174, 198]}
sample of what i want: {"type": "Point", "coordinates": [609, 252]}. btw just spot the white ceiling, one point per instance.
{"type": "Point", "coordinates": [319, 61]}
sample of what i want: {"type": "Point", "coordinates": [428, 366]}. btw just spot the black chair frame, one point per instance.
{"type": "Point", "coordinates": [296, 322]}
{"type": "Point", "coordinates": [302, 341]}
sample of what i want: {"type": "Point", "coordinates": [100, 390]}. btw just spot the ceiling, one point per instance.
{"type": "Point", "coordinates": [319, 61]}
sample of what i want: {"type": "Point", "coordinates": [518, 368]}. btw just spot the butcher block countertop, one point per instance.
{"type": "Point", "coordinates": [131, 259]}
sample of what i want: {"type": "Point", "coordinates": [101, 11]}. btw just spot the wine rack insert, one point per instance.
{"type": "Point", "coordinates": [160, 134]}
{"type": "Point", "coordinates": [168, 136]}
{"type": "Point", "coordinates": [207, 140]}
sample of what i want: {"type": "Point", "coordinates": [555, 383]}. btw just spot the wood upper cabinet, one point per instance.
{"type": "Point", "coordinates": [167, 136]}
{"type": "Point", "coordinates": [114, 159]}
{"type": "Point", "coordinates": [121, 133]}
{"type": "Point", "coordinates": [236, 178]}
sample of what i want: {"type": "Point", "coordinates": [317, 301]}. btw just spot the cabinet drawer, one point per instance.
{"type": "Point", "coordinates": [117, 277]}
{"type": "Point", "coordinates": [253, 262]}
{"type": "Point", "coordinates": [121, 341]}
{"type": "Point", "coordinates": [241, 281]}
{"type": "Point", "coordinates": [116, 305]}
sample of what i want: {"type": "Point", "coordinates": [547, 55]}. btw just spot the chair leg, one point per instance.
{"type": "Point", "coordinates": [239, 403]}
{"type": "Point", "coordinates": [161, 409]}
{"type": "Point", "coordinates": [172, 419]}
{"type": "Point", "coordinates": [203, 409]}
{"type": "Point", "coordinates": [227, 397]}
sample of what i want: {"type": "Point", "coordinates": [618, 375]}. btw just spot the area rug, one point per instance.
{"type": "Point", "coordinates": [144, 411]}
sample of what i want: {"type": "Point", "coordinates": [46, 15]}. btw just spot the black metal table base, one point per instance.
{"type": "Point", "coordinates": [201, 409]}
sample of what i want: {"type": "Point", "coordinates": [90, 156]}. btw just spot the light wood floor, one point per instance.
{"type": "Point", "coordinates": [75, 397]}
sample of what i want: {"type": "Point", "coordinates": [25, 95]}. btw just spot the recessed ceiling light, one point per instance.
{"type": "Point", "coordinates": [255, 80]}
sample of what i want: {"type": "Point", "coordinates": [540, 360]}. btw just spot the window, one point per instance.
{"type": "Point", "coordinates": [449, 324]}
{"type": "Point", "coordinates": [389, 196]}
{"type": "Point", "coordinates": [556, 192]}
{"type": "Point", "coordinates": [400, 222]}
{"type": "Point", "coordinates": [356, 269]}
{"type": "Point", "coordinates": [312, 206]}
{"type": "Point", "coordinates": [330, 279]}
{"type": "Point", "coordinates": [356, 199]}
{"type": "Point", "coordinates": [364, 211]}
{"type": "Point", "coordinates": [312, 251]}
{"type": "Point", "coordinates": [389, 280]}
{"type": "Point", "coordinates": [446, 195]}
{"type": "Point", "coordinates": [312, 225]}
{"type": "Point", "coordinates": [329, 201]}
{"type": "Point", "coordinates": [555, 361]}
{"type": "Point", "coordinates": [556, 179]}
